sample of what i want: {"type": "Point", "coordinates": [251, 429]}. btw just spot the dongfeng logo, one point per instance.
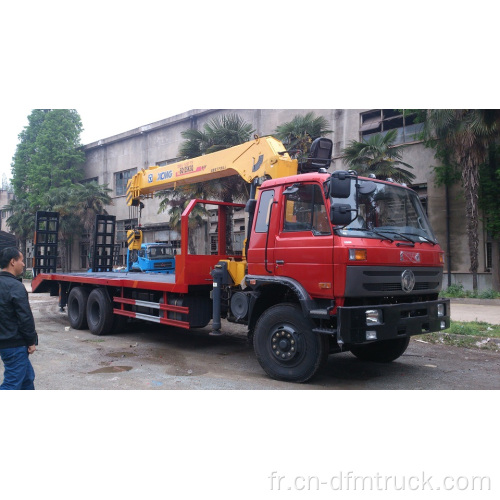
{"type": "Point", "coordinates": [407, 281]}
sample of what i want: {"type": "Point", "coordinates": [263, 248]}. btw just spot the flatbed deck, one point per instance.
{"type": "Point", "coordinates": [45, 282]}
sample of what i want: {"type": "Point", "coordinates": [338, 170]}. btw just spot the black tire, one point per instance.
{"type": "Point", "coordinates": [99, 312]}
{"type": "Point", "coordinates": [77, 308]}
{"type": "Point", "coordinates": [383, 351]}
{"type": "Point", "coordinates": [285, 345]}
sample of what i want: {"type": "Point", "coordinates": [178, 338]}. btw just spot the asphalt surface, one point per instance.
{"type": "Point", "coordinates": [146, 356]}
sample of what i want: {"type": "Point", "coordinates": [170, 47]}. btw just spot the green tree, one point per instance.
{"type": "Point", "coordinates": [466, 135]}
{"type": "Point", "coordinates": [21, 221]}
{"type": "Point", "coordinates": [25, 151]}
{"type": "Point", "coordinates": [49, 154]}
{"type": "Point", "coordinates": [299, 133]}
{"type": "Point", "coordinates": [377, 155]}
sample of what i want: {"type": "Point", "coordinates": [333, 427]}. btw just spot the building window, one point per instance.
{"type": "Point", "coordinates": [168, 162]}
{"type": "Point", "coordinates": [88, 181]}
{"type": "Point", "coordinates": [84, 255]}
{"type": "Point", "coordinates": [121, 180]}
{"type": "Point", "coordinates": [421, 190]}
{"type": "Point", "coordinates": [380, 121]}
{"type": "Point", "coordinates": [489, 256]}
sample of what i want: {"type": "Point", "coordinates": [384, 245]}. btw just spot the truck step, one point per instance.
{"type": "Point", "coordinates": [325, 331]}
{"type": "Point", "coordinates": [319, 313]}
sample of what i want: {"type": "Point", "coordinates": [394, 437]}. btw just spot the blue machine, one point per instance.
{"type": "Point", "coordinates": [152, 258]}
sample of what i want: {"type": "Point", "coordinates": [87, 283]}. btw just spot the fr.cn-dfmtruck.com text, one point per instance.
{"type": "Point", "coordinates": [349, 481]}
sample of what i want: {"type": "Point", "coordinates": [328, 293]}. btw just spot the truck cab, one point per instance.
{"type": "Point", "coordinates": [152, 258]}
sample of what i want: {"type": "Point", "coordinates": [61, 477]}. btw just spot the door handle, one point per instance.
{"type": "Point", "coordinates": [280, 262]}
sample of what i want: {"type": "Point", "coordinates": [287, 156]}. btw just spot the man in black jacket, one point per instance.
{"type": "Point", "coordinates": [18, 337]}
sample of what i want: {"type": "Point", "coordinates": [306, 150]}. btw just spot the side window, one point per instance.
{"type": "Point", "coordinates": [305, 211]}
{"type": "Point", "coordinates": [262, 221]}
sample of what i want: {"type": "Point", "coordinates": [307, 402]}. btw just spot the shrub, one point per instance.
{"type": "Point", "coordinates": [489, 294]}
{"type": "Point", "coordinates": [454, 291]}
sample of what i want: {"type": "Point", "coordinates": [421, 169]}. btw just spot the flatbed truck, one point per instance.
{"type": "Point", "coordinates": [332, 262]}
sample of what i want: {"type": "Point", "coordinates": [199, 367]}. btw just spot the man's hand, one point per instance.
{"type": "Point", "coordinates": [31, 349]}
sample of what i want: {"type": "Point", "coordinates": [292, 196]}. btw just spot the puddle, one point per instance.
{"type": "Point", "coordinates": [112, 369]}
{"type": "Point", "coordinates": [125, 354]}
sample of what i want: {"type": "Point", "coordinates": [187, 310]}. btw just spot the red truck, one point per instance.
{"type": "Point", "coordinates": [332, 262]}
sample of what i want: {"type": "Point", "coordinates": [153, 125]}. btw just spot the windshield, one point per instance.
{"type": "Point", "coordinates": [160, 252]}
{"type": "Point", "coordinates": [387, 211]}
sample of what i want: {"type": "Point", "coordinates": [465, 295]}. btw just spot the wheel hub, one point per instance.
{"type": "Point", "coordinates": [284, 343]}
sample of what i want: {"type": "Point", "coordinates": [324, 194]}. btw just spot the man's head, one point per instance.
{"type": "Point", "coordinates": [12, 261]}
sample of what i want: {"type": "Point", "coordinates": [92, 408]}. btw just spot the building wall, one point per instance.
{"type": "Point", "coordinates": [6, 196]}
{"type": "Point", "coordinates": [160, 141]}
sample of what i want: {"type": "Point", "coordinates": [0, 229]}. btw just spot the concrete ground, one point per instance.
{"type": "Point", "coordinates": [147, 356]}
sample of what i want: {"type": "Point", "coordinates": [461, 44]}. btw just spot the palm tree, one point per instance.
{"type": "Point", "coordinates": [77, 206]}
{"type": "Point", "coordinates": [90, 199]}
{"type": "Point", "coordinates": [299, 133]}
{"type": "Point", "coordinates": [219, 133]}
{"type": "Point", "coordinates": [467, 134]}
{"type": "Point", "coordinates": [378, 156]}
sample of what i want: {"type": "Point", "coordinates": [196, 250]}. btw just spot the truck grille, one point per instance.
{"type": "Point", "coordinates": [363, 281]}
{"type": "Point", "coordinates": [396, 287]}
{"type": "Point", "coordinates": [163, 265]}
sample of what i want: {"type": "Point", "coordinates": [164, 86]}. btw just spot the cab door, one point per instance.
{"type": "Point", "coordinates": [303, 244]}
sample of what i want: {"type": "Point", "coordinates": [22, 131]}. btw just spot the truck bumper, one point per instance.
{"type": "Point", "coordinates": [358, 325]}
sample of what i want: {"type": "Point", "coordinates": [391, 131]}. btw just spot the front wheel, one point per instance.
{"type": "Point", "coordinates": [285, 345]}
{"type": "Point", "coordinates": [383, 351]}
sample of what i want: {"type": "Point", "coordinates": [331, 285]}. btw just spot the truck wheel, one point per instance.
{"type": "Point", "coordinates": [285, 345]}
{"type": "Point", "coordinates": [383, 351]}
{"type": "Point", "coordinates": [99, 312]}
{"type": "Point", "coordinates": [77, 308]}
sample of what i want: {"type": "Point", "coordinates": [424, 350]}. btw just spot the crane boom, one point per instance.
{"type": "Point", "coordinates": [263, 158]}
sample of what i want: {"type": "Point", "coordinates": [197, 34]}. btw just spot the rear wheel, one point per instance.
{"type": "Point", "coordinates": [77, 308]}
{"type": "Point", "coordinates": [285, 345]}
{"type": "Point", "coordinates": [99, 312]}
{"type": "Point", "coordinates": [383, 351]}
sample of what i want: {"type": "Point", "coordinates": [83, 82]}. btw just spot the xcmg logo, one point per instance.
{"type": "Point", "coordinates": [161, 176]}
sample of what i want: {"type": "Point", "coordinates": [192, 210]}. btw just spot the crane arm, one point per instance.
{"type": "Point", "coordinates": [257, 159]}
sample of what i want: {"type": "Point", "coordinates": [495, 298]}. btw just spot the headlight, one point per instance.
{"type": "Point", "coordinates": [441, 310]}
{"type": "Point", "coordinates": [373, 317]}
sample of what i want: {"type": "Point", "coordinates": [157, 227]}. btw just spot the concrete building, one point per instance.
{"type": "Point", "coordinates": [114, 160]}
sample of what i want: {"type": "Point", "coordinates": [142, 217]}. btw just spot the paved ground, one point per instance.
{"type": "Point", "coordinates": [476, 310]}
{"type": "Point", "coordinates": [149, 357]}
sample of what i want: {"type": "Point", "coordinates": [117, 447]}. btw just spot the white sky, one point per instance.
{"type": "Point", "coordinates": [98, 123]}
{"type": "Point", "coordinates": [122, 64]}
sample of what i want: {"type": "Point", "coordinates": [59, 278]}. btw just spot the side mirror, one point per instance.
{"type": "Point", "coordinates": [340, 184]}
{"type": "Point", "coordinates": [340, 214]}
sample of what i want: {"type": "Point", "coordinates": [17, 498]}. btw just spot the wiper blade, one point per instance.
{"type": "Point", "coordinates": [382, 235]}
{"type": "Point", "coordinates": [428, 240]}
